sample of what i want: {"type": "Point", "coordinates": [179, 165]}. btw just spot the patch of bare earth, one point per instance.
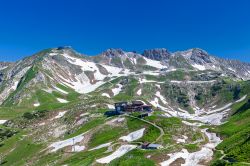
{"type": "Point", "coordinates": [178, 162]}
{"type": "Point", "coordinates": [158, 158]}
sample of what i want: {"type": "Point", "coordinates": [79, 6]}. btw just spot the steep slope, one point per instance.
{"type": "Point", "coordinates": [235, 133]}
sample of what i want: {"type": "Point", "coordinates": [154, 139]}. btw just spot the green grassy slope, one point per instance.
{"type": "Point", "coordinates": [236, 135]}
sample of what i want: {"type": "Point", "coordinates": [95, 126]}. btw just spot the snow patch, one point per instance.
{"type": "Point", "coordinates": [149, 81]}
{"type": "Point", "coordinates": [117, 90]}
{"type": "Point", "coordinates": [62, 100]}
{"type": "Point", "coordinates": [154, 73]}
{"type": "Point", "coordinates": [192, 82]}
{"type": "Point", "coordinates": [77, 148]}
{"type": "Point", "coordinates": [84, 114]}
{"type": "Point", "coordinates": [106, 95]}
{"type": "Point", "coordinates": [3, 121]}
{"type": "Point", "coordinates": [101, 146]}
{"type": "Point", "coordinates": [158, 94]}
{"type": "Point", "coordinates": [139, 92]}
{"type": "Point", "coordinates": [158, 86]}
{"type": "Point", "coordinates": [36, 104]}
{"type": "Point", "coordinates": [118, 153]}
{"type": "Point", "coordinates": [241, 99]}
{"type": "Point", "coordinates": [82, 83]}
{"type": "Point", "coordinates": [153, 63]}
{"type": "Point", "coordinates": [48, 90]}
{"type": "Point", "coordinates": [60, 114]}
{"type": "Point", "coordinates": [220, 109]}
{"type": "Point", "coordinates": [231, 69]}
{"type": "Point", "coordinates": [205, 154]}
{"type": "Point", "coordinates": [68, 142]}
{"type": "Point", "coordinates": [60, 90]}
{"type": "Point", "coordinates": [179, 140]}
{"type": "Point", "coordinates": [110, 106]}
{"type": "Point", "coordinates": [2, 68]}
{"type": "Point", "coordinates": [199, 67]}
{"type": "Point", "coordinates": [133, 136]}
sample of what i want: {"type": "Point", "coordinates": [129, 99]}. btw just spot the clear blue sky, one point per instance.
{"type": "Point", "coordinates": [222, 27]}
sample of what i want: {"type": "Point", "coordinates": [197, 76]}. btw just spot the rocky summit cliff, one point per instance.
{"type": "Point", "coordinates": [57, 108]}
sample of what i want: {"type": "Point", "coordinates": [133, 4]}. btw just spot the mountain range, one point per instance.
{"type": "Point", "coordinates": [53, 106]}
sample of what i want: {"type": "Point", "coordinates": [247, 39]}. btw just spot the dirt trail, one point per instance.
{"type": "Point", "coordinates": [158, 127]}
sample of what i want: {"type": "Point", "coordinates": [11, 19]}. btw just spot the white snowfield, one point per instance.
{"type": "Point", "coordinates": [60, 114]}
{"type": "Point", "coordinates": [118, 153]}
{"type": "Point", "coordinates": [199, 67]}
{"type": "Point", "coordinates": [110, 106]}
{"type": "Point", "coordinates": [191, 159]}
{"type": "Point", "coordinates": [158, 86]}
{"type": "Point", "coordinates": [62, 100]}
{"type": "Point", "coordinates": [101, 146]}
{"type": "Point", "coordinates": [106, 95]}
{"type": "Point", "coordinates": [48, 90]}
{"type": "Point", "coordinates": [68, 142]}
{"type": "Point", "coordinates": [241, 99]}
{"type": "Point", "coordinates": [180, 140]}
{"type": "Point", "coordinates": [4, 67]}
{"type": "Point", "coordinates": [77, 148]}
{"type": "Point", "coordinates": [220, 109]}
{"type": "Point", "coordinates": [139, 92]}
{"type": "Point", "coordinates": [193, 82]}
{"type": "Point", "coordinates": [117, 90]}
{"type": "Point", "coordinates": [142, 80]}
{"type": "Point", "coordinates": [231, 69]}
{"type": "Point", "coordinates": [37, 104]}
{"type": "Point", "coordinates": [153, 63]}
{"type": "Point", "coordinates": [133, 136]}
{"type": "Point", "coordinates": [3, 121]}
{"type": "Point", "coordinates": [213, 139]}
{"type": "Point", "coordinates": [60, 90]}
{"type": "Point", "coordinates": [158, 94]}
{"type": "Point", "coordinates": [84, 114]}
{"type": "Point", "coordinates": [212, 117]}
{"type": "Point", "coordinates": [17, 79]}
{"type": "Point", "coordinates": [82, 83]}
{"type": "Point", "coordinates": [154, 73]}
{"type": "Point", "coordinates": [13, 84]}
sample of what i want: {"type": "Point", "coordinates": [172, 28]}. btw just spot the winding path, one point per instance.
{"type": "Point", "coordinates": [158, 127]}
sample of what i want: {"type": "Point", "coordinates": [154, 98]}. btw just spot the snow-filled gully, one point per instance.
{"type": "Point", "coordinates": [193, 159]}
{"type": "Point", "coordinates": [212, 117]}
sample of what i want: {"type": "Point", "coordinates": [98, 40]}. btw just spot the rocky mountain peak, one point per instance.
{"type": "Point", "coordinates": [157, 54]}
{"type": "Point", "coordinates": [199, 56]}
{"type": "Point", "coordinates": [112, 52]}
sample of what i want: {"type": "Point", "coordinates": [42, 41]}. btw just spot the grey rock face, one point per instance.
{"type": "Point", "coordinates": [157, 54]}
{"type": "Point", "coordinates": [200, 56]}
{"type": "Point", "coordinates": [113, 53]}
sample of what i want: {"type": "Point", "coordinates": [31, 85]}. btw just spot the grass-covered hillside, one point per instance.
{"type": "Point", "coordinates": [57, 108]}
{"type": "Point", "coordinates": [236, 135]}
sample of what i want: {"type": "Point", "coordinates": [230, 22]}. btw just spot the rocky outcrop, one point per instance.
{"type": "Point", "coordinates": [158, 54]}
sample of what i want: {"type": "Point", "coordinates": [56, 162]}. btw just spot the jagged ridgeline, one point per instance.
{"type": "Point", "coordinates": [54, 108]}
